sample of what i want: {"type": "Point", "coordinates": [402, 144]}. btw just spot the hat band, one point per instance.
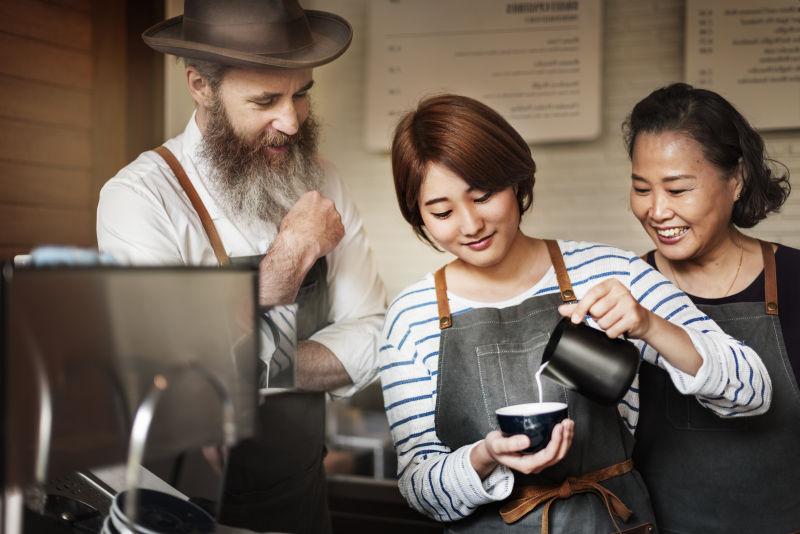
{"type": "Point", "coordinates": [253, 38]}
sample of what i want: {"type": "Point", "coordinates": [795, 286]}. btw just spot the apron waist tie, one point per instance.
{"type": "Point", "coordinates": [525, 499]}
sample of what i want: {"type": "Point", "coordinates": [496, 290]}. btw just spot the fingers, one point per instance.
{"type": "Point", "coordinates": [312, 206]}
{"type": "Point", "coordinates": [315, 222]}
{"type": "Point", "coordinates": [614, 321]}
{"type": "Point", "coordinates": [618, 328]}
{"type": "Point", "coordinates": [566, 443]}
{"type": "Point", "coordinates": [501, 445]}
{"type": "Point", "coordinates": [612, 307]}
{"type": "Point", "coordinates": [581, 309]}
{"type": "Point", "coordinates": [535, 463]}
{"type": "Point", "coordinates": [555, 451]}
{"type": "Point", "coordinates": [627, 316]}
{"type": "Point", "coordinates": [566, 310]}
{"type": "Point", "coordinates": [601, 310]}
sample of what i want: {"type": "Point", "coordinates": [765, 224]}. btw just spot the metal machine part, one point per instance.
{"type": "Point", "coordinates": [83, 488]}
{"type": "Point", "coordinates": [74, 503]}
{"type": "Point", "coordinates": [86, 346]}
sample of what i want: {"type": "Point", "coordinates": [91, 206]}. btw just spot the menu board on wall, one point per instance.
{"type": "Point", "coordinates": [749, 52]}
{"type": "Point", "coordinates": [536, 62]}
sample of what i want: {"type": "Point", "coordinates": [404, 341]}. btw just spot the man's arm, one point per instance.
{"type": "Point", "coordinates": [311, 229]}
{"type": "Point", "coordinates": [318, 369]}
{"type": "Point", "coordinates": [340, 358]}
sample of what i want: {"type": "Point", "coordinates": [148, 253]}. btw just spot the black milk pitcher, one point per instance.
{"type": "Point", "coordinates": [587, 361]}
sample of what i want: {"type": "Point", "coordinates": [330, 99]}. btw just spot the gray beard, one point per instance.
{"type": "Point", "coordinates": [253, 187]}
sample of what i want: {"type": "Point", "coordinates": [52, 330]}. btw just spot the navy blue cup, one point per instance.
{"type": "Point", "coordinates": [535, 419]}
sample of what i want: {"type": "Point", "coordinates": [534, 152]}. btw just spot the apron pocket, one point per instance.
{"type": "Point", "coordinates": [686, 413]}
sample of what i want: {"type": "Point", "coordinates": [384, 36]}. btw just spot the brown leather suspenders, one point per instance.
{"type": "Point", "coordinates": [191, 192]}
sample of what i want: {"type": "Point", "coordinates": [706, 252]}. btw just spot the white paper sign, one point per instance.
{"type": "Point", "coordinates": [749, 52]}
{"type": "Point", "coordinates": [536, 62]}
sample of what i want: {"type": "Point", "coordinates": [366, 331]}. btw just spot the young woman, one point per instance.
{"type": "Point", "coordinates": [699, 173]}
{"type": "Point", "coordinates": [467, 340]}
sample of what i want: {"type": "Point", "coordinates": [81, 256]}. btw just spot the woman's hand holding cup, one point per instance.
{"type": "Point", "coordinates": [507, 450]}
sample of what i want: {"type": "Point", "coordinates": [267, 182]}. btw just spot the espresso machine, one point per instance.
{"type": "Point", "coordinates": [104, 368]}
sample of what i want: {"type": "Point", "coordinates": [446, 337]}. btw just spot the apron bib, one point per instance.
{"type": "Point", "coordinates": [276, 480]}
{"type": "Point", "coordinates": [710, 474]}
{"type": "Point", "coordinates": [487, 360]}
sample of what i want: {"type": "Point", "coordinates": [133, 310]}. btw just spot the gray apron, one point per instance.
{"type": "Point", "coordinates": [709, 474]}
{"type": "Point", "coordinates": [276, 480]}
{"type": "Point", "coordinates": [487, 360]}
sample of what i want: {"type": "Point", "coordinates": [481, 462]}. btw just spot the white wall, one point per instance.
{"type": "Point", "coordinates": [178, 106]}
{"type": "Point", "coordinates": [581, 188]}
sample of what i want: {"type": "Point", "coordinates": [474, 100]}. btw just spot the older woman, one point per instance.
{"type": "Point", "coordinates": [699, 174]}
{"type": "Point", "coordinates": [466, 340]}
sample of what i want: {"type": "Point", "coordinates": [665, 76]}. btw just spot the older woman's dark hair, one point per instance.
{"type": "Point", "coordinates": [467, 137]}
{"type": "Point", "coordinates": [727, 140]}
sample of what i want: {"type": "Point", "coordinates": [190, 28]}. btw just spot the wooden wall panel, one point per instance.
{"type": "Point", "coordinates": [33, 143]}
{"type": "Point", "coordinates": [42, 185]}
{"type": "Point", "coordinates": [50, 23]}
{"type": "Point", "coordinates": [26, 58]}
{"type": "Point", "coordinates": [79, 95]}
{"type": "Point", "coordinates": [48, 104]}
{"type": "Point", "coordinates": [108, 114]}
{"type": "Point", "coordinates": [79, 5]}
{"type": "Point", "coordinates": [31, 224]}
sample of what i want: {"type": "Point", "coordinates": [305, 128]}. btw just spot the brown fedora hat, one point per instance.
{"type": "Point", "coordinates": [252, 33]}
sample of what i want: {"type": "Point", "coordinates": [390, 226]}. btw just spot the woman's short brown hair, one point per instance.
{"type": "Point", "coordinates": [468, 138]}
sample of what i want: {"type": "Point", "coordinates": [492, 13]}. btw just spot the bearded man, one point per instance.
{"type": "Point", "coordinates": [243, 182]}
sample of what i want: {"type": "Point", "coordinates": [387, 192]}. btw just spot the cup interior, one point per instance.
{"type": "Point", "coordinates": [531, 408]}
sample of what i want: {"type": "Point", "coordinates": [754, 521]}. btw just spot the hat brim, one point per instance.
{"type": "Point", "coordinates": [331, 34]}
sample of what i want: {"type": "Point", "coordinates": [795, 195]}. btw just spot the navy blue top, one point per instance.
{"type": "Point", "coordinates": [787, 267]}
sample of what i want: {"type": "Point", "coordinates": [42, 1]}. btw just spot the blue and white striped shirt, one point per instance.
{"type": "Point", "coordinates": [441, 483]}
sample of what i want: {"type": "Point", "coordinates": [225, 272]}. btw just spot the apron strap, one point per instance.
{"type": "Point", "coordinates": [564, 283]}
{"type": "Point", "coordinates": [197, 204]}
{"type": "Point", "coordinates": [445, 321]}
{"type": "Point", "coordinates": [525, 499]}
{"type": "Point", "coordinates": [770, 279]}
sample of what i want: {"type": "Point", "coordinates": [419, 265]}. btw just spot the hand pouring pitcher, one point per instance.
{"type": "Point", "coordinates": [587, 361]}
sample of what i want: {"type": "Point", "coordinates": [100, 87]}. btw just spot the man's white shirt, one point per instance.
{"type": "Point", "coordinates": [145, 218]}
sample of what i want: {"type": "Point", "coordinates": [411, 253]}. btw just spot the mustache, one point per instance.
{"type": "Point", "coordinates": [276, 139]}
